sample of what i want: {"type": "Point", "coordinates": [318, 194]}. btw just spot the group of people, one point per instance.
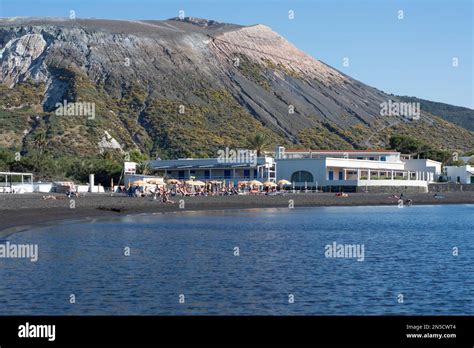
{"type": "Point", "coordinates": [163, 192]}
{"type": "Point", "coordinates": [210, 189]}
{"type": "Point", "coordinates": [401, 198]}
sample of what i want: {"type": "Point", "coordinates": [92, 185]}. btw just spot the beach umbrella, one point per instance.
{"type": "Point", "coordinates": [255, 183]}
{"type": "Point", "coordinates": [138, 183]}
{"type": "Point", "coordinates": [283, 182]}
{"type": "Point", "coordinates": [172, 181]}
{"type": "Point", "coordinates": [269, 183]}
{"type": "Point", "coordinates": [215, 182]}
{"type": "Point", "coordinates": [195, 183]}
{"type": "Point", "coordinates": [155, 181]}
{"type": "Point", "coordinates": [240, 183]}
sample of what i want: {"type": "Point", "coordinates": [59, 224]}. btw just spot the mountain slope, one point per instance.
{"type": "Point", "coordinates": [185, 88]}
{"type": "Point", "coordinates": [461, 116]}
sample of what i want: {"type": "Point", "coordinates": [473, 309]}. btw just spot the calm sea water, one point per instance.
{"type": "Point", "coordinates": [407, 252]}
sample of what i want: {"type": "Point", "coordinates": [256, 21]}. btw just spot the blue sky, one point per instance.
{"type": "Point", "coordinates": [411, 56]}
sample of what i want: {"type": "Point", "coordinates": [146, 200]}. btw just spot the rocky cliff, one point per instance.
{"type": "Point", "coordinates": [186, 87]}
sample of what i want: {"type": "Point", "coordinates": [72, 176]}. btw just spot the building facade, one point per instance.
{"type": "Point", "coordinates": [352, 169]}
{"type": "Point", "coordinates": [461, 175]}
{"type": "Point", "coordinates": [327, 169]}
{"type": "Point", "coordinates": [258, 168]}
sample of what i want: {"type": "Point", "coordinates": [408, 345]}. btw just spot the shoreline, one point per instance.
{"type": "Point", "coordinates": [21, 212]}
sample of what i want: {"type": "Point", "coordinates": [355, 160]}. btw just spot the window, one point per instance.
{"type": "Point", "coordinates": [207, 174]}
{"type": "Point", "coordinates": [331, 175]}
{"type": "Point", "coordinates": [181, 175]}
{"type": "Point", "coordinates": [341, 175]}
{"type": "Point", "coordinates": [383, 158]}
{"type": "Point", "coordinates": [247, 173]}
{"type": "Point", "coordinates": [226, 174]}
{"type": "Point", "coordinates": [302, 176]}
{"type": "Point", "coordinates": [371, 158]}
{"type": "Point", "coordinates": [360, 158]}
{"type": "Point", "coordinates": [255, 173]}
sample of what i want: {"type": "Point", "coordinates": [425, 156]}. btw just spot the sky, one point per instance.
{"type": "Point", "coordinates": [415, 55]}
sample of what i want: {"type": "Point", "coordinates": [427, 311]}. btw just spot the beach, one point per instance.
{"type": "Point", "coordinates": [31, 209]}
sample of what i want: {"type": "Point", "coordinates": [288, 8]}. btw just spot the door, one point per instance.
{"type": "Point", "coordinates": [341, 176]}
{"type": "Point", "coordinates": [331, 175]}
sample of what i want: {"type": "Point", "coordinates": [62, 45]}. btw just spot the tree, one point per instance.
{"type": "Point", "coordinates": [107, 155]}
{"type": "Point", "coordinates": [258, 143]}
{"type": "Point", "coordinates": [40, 141]}
{"type": "Point", "coordinates": [137, 156]}
{"type": "Point", "coordinates": [144, 168]}
{"type": "Point", "coordinates": [437, 155]}
{"type": "Point", "coordinates": [458, 163]}
{"type": "Point", "coordinates": [406, 144]}
{"type": "Point", "coordinates": [6, 158]}
{"type": "Point", "coordinates": [409, 145]}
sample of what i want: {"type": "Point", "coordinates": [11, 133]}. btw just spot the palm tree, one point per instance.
{"type": "Point", "coordinates": [144, 168]}
{"type": "Point", "coordinates": [258, 143]}
{"type": "Point", "coordinates": [40, 141]}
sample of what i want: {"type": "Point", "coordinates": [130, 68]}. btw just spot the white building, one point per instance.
{"type": "Point", "coordinates": [328, 169]}
{"type": "Point", "coordinates": [11, 182]}
{"type": "Point", "coordinates": [462, 174]}
{"type": "Point", "coordinates": [261, 168]}
{"type": "Point", "coordinates": [350, 169]}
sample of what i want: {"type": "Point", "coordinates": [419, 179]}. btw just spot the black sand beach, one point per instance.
{"type": "Point", "coordinates": [32, 209]}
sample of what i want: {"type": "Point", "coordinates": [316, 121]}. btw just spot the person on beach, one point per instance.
{"type": "Point", "coordinates": [165, 196]}
{"type": "Point", "coordinates": [72, 193]}
{"type": "Point", "coordinates": [156, 192]}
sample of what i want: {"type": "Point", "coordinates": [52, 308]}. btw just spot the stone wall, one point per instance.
{"type": "Point", "coordinates": [450, 187]}
{"type": "Point", "coordinates": [392, 189]}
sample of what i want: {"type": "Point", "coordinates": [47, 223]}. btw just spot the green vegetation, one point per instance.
{"type": "Point", "coordinates": [196, 119]}
{"type": "Point", "coordinates": [323, 137]}
{"type": "Point", "coordinates": [280, 67]}
{"type": "Point", "coordinates": [456, 114]}
{"type": "Point", "coordinates": [200, 129]}
{"type": "Point", "coordinates": [46, 167]}
{"type": "Point", "coordinates": [258, 142]}
{"type": "Point", "coordinates": [419, 149]}
{"type": "Point", "coordinates": [253, 71]}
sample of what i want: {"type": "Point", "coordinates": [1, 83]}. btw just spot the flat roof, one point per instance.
{"type": "Point", "coordinates": [14, 173]}
{"type": "Point", "coordinates": [343, 151]}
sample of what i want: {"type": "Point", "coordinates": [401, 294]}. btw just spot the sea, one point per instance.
{"type": "Point", "coordinates": [368, 260]}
